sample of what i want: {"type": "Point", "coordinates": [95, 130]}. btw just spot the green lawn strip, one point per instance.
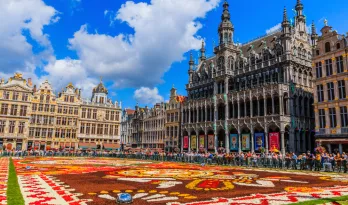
{"type": "Point", "coordinates": [323, 201]}
{"type": "Point", "coordinates": [14, 195]}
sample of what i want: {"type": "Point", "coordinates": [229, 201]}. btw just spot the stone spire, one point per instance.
{"type": "Point", "coordinates": [226, 27]}
{"type": "Point", "coordinates": [314, 35]}
{"type": "Point", "coordinates": [299, 8]}
{"type": "Point", "coordinates": [203, 52]}
{"type": "Point", "coordinates": [286, 24]}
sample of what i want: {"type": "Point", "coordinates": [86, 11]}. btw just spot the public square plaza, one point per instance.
{"type": "Point", "coordinates": [52, 180]}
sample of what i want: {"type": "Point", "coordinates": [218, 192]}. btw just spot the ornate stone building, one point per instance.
{"type": "Point", "coordinates": [15, 97]}
{"type": "Point", "coordinates": [42, 119]}
{"type": "Point", "coordinates": [67, 115]}
{"type": "Point", "coordinates": [126, 131]}
{"type": "Point", "coordinates": [153, 126]}
{"type": "Point", "coordinates": [252, 96]}
{"type": "Point", "coordinates": [330, 66]}
{"type": "Point", "coordinates": [100, 121]}
{"type": "Point", "coordinates": [173, 122]}
{"type": "Point", "coordinates": [148, 127]}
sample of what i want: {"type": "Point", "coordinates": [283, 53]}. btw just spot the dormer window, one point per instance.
{"type": "Point", "coordinates": [327, 47]}
{"type": "Point", "coordinates": [338, 46]}
{"type": "Point", "coordinates": [101, 100]}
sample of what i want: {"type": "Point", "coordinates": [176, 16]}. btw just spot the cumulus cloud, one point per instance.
{"type": "Point", "coordinates": [147, 95]}
{"type": "Point", "coordinates": [274, 28]}
{"type": "Point", "coordinates": [163, 32]}
{"type": "Point", "coordinates": [23, 21]}
{"type": "Point", "coordinates": [62, 72]}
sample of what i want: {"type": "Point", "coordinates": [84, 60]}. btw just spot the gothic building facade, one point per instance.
{"type": "Point", "coordinates": [254, 96]}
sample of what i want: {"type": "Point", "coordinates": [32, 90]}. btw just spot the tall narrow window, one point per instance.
{"type": "Point", "coordinates": [21, 127]}
{"type": "Point", "coordinates": [319, 71]}
{"type": "Point", "coordinates": [12, 126]}
{"type": "Point", "coordinates": [322, 119]}
{"type": "Point", "coordinates": [339, 64]}
{"type": "Point", "coordinates": [23, 111]}
{"type": "Point", "coordinates": [83, 114]}
{"type": "Point", "coordinates": [327, 47]}
{"type": "Point", "coordinates": [4, 109]}
{"type": "Point", "coordinates": [14, 109]}
{"type": "Point", "coordinates": [94, 113]}
{"type": "Point", "coordinates": [332, 115]}
{"type": "Point", "coordinates": [320, 93]}
{"type": "Point", "coordinates": [6, 95]}
{"type": "Point", "coordinates": [341, 89]}
{"type": "Point", "coordinates": [25, 97]}
{"type": "Point", "coordinates": [15, 95]}
{"type": "Point", "coordinates": [344, 116]}
{"type": "Point", "coordinates": [328, 64]}
{"type": "Point", "coordinates": [331, 91]}
{"type": "Point", "coordinates": [2, 126]}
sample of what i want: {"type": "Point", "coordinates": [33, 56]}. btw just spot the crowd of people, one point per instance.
{"type": "Point", "coordinates": [305, 161]}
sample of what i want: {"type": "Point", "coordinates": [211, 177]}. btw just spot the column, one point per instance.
{"type": "Point", "coordinates": [329, 147]}
{"type": "Point", "coordinates": [239, 142]}
{"type": "Point", "coordinates": [233, 110]}
{"type": "Point", "coordinates": [189, 142]}
{"type": "Point", "coordinates": [273, 110]}
{"type": "Point", "coordinates": [251, 108]}
{"type": "Point", "coordinates": [266, 141]}
{"type": "Point", "coordinates": [227, 141]}
{"type": "Point", "coordinates": [327, 118]}
{"type": "Point", "coordinates": [281, 111]}
{"type": "Point", "coordinates": [336, 87]}
{"type": "Point", "coordinates": [338, 116]}
{"type": "Point", "coordinates": [282, 146]}
{"type": "Point", "coordinates": [182, 115]}
{"type": "Point", "coordinates": [182, 141]}
{"type": "Point", "coordinates": [197, 140]}
{"type": "Point", "coordinates": [258, 106]}
{"type": "Point", "coordinates": [205, 112]}
{"type": "Point", "coordinates": [340, 148]}
{"type": "Point", "coordinates": [189, 115]}
{"type": "Point", "coordinates": [197, 115]}
{"type": "Point", "coordinates": [292, 140]}
{"type": "Point", "coordinates": [252, 140]}
{"type": "Point", "coordinates": [265, 105]}
{"type": "Point", "coordinates": [238, 108]}
{"type": "Point", "coordinates": [298, 137]}
{"type": "Point", "coordinates": [326, 97]}
{"type": "Point", "coordinates": [309, 140]}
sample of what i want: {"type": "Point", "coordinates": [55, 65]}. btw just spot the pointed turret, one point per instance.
{"type": "Point", "coordinates": [191, 64]}
{"type": "Point", "coordinates": [286, 24]}
{"type": "Point", "coordinates": [203, 52]}
{"type": "Point", "coordinates": [300, 18]}
{"type": "Point", "coordinates": [314, 35]}
{"type": "Point", "coordinates": [226, 28]}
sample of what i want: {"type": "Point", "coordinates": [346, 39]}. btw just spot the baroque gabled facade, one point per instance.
{"type": "Point", "coordinates": [100, 121]}
{"type": "Point", "coordinates": [15, 97]}
{"type": "Point", "coordinates": [330, 66]}
{"type": "Point", "coordinates": [173, 122]}
{"type": "Point", "coordinates": [258, 94]}
{"type": "Point", "coordinates": [126, 133]}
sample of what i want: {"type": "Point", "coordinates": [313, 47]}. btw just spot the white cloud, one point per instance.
{"type": "Point", "coordinates": [21, 19]}
{"type": "Point", "coordinates": [163, 32]}
{"type": "Point", "coordinates": [145, 95]}
{"type": "Point", "coordinates": [62, 72]}
{"type": "Point", "coordinates": [274, 28]}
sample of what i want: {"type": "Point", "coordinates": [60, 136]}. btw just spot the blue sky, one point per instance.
{"type": "Point", "coordinates": [139, 47]}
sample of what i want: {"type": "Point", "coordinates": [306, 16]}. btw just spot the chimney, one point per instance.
{"type": "Point", "coordinates": [30, 82]}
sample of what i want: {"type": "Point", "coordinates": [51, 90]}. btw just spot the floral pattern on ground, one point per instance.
{"type": "Point", "coordinates": [157, 183]}
{"type": "Point", "coordinates": [4, 165]}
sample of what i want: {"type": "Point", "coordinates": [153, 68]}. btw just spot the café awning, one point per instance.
{"type": "Point", "coordinates": [86, 145]}
{"type": "Point", "coordinates": [109, 146]}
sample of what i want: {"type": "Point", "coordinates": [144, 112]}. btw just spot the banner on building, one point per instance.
{"type": "Point", "coordinates": [201, 141]}
{"type": "Point", "coordinates": [186, 142]}
{"type": "Point", "coordinates": [211, 143]}
{"type": "Point", "coordinates": [274, 141]}
{"type": "Point", "coordinates": [234, 142]}
{"type": "Point", "coordinates": [259, 141]}
{"type": "Point", "coordinates": [245, 142]}
{"type": "Point", "coordinates": [193, 142]}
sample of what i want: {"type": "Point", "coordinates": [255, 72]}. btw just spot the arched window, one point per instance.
{"type": "Point", "coordinates": [327, 47]}
{"type": "Point", "coordinates": [338, 46]}
{"type": "Point", "coordinates": [317, 52]}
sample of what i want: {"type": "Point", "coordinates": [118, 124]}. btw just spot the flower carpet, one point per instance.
{"type": "Point", "coordinates": [4, 164]}
{"type": "Point", "coordinates": [98, 181]}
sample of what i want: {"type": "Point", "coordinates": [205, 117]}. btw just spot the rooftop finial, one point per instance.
{"type": "Point", "coordinates": [325, 22]}
{"type": "Point", "coordinates": [313, 28]}
{"type": "Point", "coordinates": [285, 15]}
{"type": "Point", "coordinates": [101, 78]}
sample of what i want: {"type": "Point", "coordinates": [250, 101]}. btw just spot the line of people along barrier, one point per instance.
{"type": "Point", "coordinates": [305, 161]}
